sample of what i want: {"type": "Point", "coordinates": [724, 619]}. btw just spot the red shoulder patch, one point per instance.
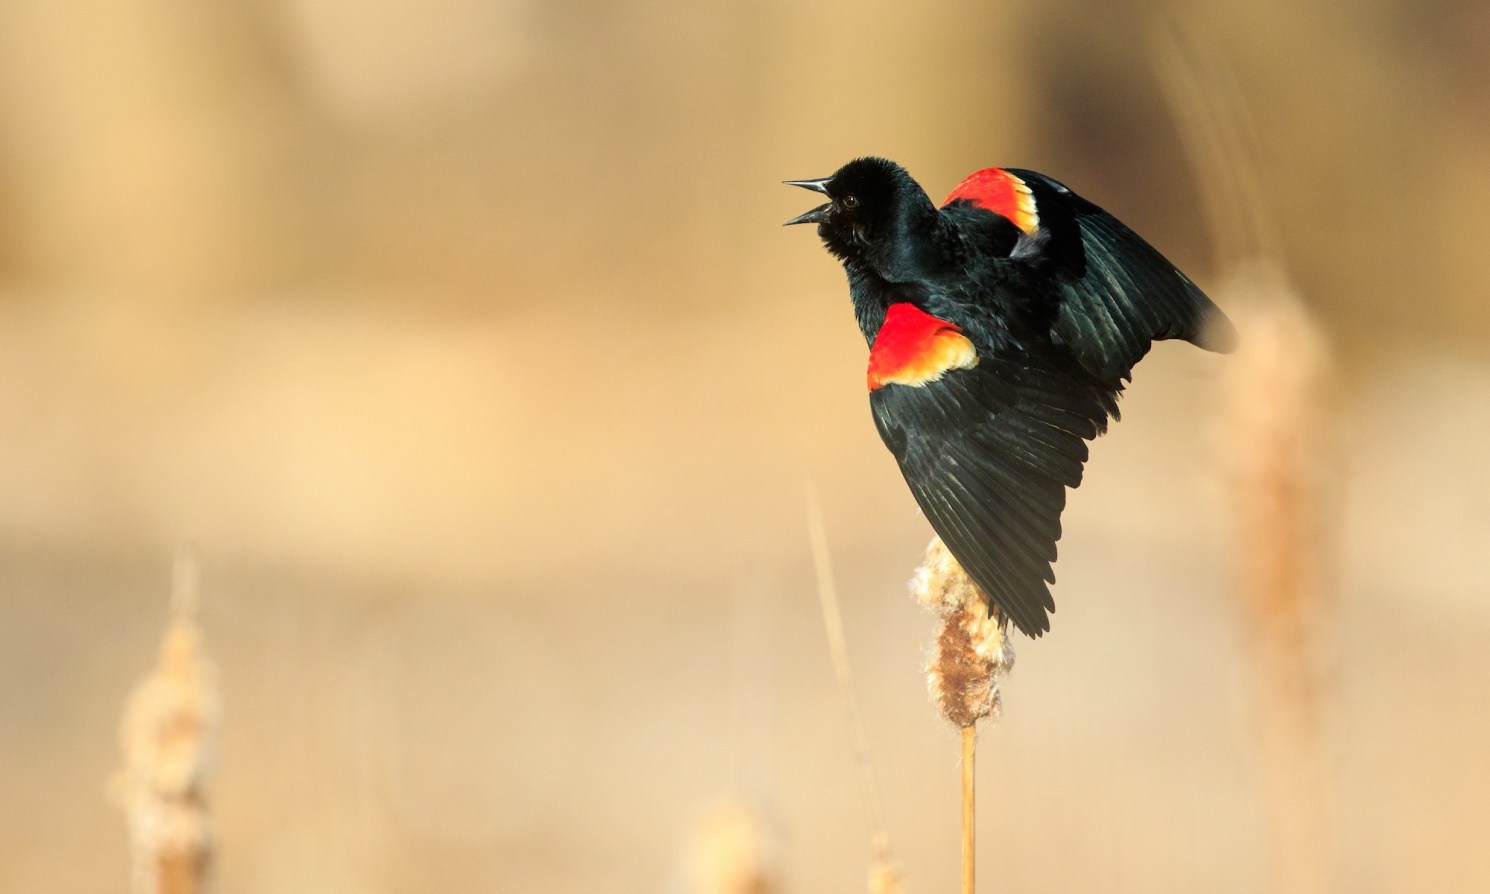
{"type": "Point", "coordinates": [1001, 192]}
{"type": "Point", "coordinates": [915, 348]}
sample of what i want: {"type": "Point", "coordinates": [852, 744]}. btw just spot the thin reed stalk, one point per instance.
{"type": "Point", "coordinates": [884, 877]}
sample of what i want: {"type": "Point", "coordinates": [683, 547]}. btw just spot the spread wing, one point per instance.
{"type": "Point", "coordinates": [1118, 294]}
{"type": "Point", "coordinates": [1114, 293]}
{"type": "Point", "coordinates": [988, 453]}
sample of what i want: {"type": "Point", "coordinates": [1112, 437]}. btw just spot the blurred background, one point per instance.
{"type": "Point", "coordinates": [463, 341]}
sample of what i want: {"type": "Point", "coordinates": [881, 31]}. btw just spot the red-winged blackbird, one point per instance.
{"type": "Point", "coordinates": [1001, 329]}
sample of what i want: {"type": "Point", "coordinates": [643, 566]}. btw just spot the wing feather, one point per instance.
{"type": "Point", "coordinates": [1115, 293]}
{"type": "Point", "coordinates": [991, 473]}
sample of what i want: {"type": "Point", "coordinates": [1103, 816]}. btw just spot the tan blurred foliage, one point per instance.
{"type": "Point", "coordinates": [463, 340]}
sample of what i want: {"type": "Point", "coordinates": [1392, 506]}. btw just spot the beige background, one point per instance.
{"type": "Point", "coordinates": [462, 339]}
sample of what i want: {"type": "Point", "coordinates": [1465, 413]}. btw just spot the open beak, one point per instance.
{"type": "Point", "coordinates": [818, 214]}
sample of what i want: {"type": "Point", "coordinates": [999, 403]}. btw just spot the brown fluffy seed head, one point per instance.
{"type": "Point", "coordinates": [972, 653]}
{"type": "Point", "coordinates": [940, 585]}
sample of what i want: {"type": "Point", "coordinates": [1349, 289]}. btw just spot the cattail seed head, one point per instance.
{"type": "Point", "coordinates": [940, 585]}
{"type": "Point", "coordinates": [1282, 462]}
{"type": "Point", "coordinates": [972, 653]}
{"type": "Point", "coordinates": [1283, 466]}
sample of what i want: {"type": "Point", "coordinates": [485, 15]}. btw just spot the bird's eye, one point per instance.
{"type": "Point", "coordinates": [850, 201]}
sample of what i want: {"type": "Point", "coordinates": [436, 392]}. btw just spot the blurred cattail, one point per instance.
{"type": "Point", "coordinates": [1280, 460]}
{"type": "Point", "coordinates": [1281, 466]}
{"type": "Point", "coordinates": [972, 652]}
{"type": "Point", "coordinates": [1281, 457]}
{"type": "Point", "coordinates": [884, 878]}
{"type": "Point", "coordinates": [732, 853]}
{"type": "Point", "coordinates": [168, 731]}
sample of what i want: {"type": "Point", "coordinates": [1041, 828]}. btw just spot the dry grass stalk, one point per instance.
{"type": "Point", "coordinates": [732, 853]}
{"type": "Point", "coordinates": [167, 733]}
{"type": "Point", "coordinates": [884, 877]}
{"type": "Point", "coordinates": [969, 659]}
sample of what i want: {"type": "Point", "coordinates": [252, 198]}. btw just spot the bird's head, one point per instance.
{"type": "Point", "coordinates": [876, 216]}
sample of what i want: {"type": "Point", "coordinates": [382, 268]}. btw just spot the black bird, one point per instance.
{"type": "Point", "coordinates": [1001, 327]}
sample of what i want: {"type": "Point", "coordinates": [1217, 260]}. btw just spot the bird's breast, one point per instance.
{"type": "Point", "coordinates": [915, 348]}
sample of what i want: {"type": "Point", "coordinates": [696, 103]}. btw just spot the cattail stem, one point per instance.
{"type": "Point", "coordinates": [969, 811]}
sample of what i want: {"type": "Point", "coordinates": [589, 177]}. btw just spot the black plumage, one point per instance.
{"type": "Point", "coordinates": [1002, 327]}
